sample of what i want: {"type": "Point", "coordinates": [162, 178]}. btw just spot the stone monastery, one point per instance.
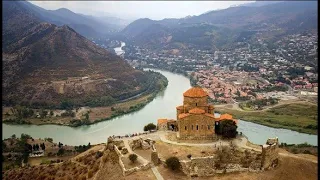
{"type": "Point", "coordinates": [195, 118]}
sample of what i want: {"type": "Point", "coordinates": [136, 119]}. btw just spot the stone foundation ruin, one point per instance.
{"type": "Point", "coordinates": [141, 143]}
{"type": "Point", "coordinates": [205, 166]}
{"type": "Point", "coordinates": [270, 155]}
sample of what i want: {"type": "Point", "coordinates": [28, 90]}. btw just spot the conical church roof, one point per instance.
{"type": "Point", "coordinates": [195, 92]}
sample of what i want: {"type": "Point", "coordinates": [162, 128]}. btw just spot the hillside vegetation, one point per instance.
{"type": "Point", "coordinates": [301, 117]}
{"type": "Point", "coordinates": [44, 64]}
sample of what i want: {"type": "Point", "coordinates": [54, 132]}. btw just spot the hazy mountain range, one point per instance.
{"type": "Point", "coordinates": [86, 25]}
{"type": "Point", "coordinates": [222, 26]}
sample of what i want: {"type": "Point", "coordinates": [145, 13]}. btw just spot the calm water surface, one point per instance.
{"type": "Point", "coordinates": [163, 106]}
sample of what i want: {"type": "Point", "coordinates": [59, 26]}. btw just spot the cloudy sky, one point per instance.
{"type": "Point", "coordinates": [139, 9]}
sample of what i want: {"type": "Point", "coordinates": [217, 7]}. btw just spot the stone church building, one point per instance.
{"type": "Point", "coordinates": [195, 118]}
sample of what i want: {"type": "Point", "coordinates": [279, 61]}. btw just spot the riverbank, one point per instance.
{"type": "Point", "coordinates": [85, 115]}
{"type": "Point", "coordinates": [300, 117]}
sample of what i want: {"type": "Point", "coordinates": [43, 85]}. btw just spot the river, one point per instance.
{"type": "Point", "coordinates": [163, 106]}
{"type": "Point", "coordinates": [119, 50]}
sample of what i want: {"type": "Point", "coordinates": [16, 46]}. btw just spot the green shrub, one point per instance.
{"type": "Point", "coordinates": [294, 150]}
{"type": "Point", "coordinates": [99, 154]}
{"type": "Point", "coordinates": [173, 163]}
{"type": "Point", "coordinates": [149, 127]}
{"type": "Point", "coordinates": [307, 152]}
{"type": "Point", "coordinates": [133, 157]}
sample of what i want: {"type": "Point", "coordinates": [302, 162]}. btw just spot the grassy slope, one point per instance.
{"type": "Point", "coordinates": [290, 116]}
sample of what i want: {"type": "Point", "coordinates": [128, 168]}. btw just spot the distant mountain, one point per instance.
{"type": "Point", "coordinates": [260, 3]}
{"type": "Point", "coordinates": [285, 17]}
{"type": "Point", "coordinates": [117, 23]}
{"type": "Point", "coordinates": [136, 27]}
{"type": "Point", "coordinates": [38, 58]}
{"type": "Point", "coordinates": [243, 16]}
{"type": "Point", "coordinates": [88, 26]}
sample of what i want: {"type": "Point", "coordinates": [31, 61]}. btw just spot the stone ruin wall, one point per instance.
{"type": "Point", "coordinates": [270, 154]}
{"type": "Point", "coordinates": [112, 145]}
{"type": "Point", "coordinates": [204, 166]}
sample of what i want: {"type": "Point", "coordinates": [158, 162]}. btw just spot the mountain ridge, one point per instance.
{"type": "Point", "coordinates": [40, 58]}
{"type": "Point", "coordinates": [280, 15]}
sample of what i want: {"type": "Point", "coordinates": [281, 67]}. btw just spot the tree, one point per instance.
{"type": "Point", "coordinates": [86, 118]}
{"type": "Point", "coordinates": [149, 127]}
{"type": "Point", "coordinates": [60, 152]}
{"type": "Point", "coordinates": [30, 147]}
{"type": "Point", "coordinates": [13, 136]}
{"type": "Point", "coordinates": [238, 93]}
{"type": "Point", "coordinates": [43, 113]}
{"type": "Point", "coordinates": [228, 129]}
{"type": "Point", "coordinates": [4, 146]}
{"type": "Point", "coordinates": [60, 144]}
{"type": "Point", "coordinates": [43, 147]}
{"type": "Point", "coordinates": [173, 163]}
{"type": "Point", "coordinates": [68, 105]}
{"type": "Point", "coordinates": [51, 113]}
{"type": "Point", "coordinates": [25, 137]}
{"type": "Point", "coordinates": [133, 158]}
{"type": "Point", "coordinates": [48, 139]}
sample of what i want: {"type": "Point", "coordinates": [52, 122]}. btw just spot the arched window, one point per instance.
{"type": "Point", "coordinates": [185, 128]}
{"type": "Point", "coordinates": [208, 127]}
{"type": "Point", "coordinates": [197, 127]}
{"type": "Point", "coordinates": [196, 104]}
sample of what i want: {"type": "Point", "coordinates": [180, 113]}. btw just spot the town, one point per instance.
{"type": "Point", "coordinates": [252, 70]}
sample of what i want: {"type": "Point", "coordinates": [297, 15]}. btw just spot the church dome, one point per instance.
{"type": "Point", "coordinates": [195, 92]}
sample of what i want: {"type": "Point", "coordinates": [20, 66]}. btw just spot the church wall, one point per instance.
{"type": "Point", "coordinates": [196, 119]}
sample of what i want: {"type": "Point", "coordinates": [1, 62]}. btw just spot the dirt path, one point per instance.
{"type": "Point", "coordinates": [157, 173]}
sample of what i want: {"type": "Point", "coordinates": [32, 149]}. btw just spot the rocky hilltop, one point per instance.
{"type": "Point", "coordinates": [45, 64]}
